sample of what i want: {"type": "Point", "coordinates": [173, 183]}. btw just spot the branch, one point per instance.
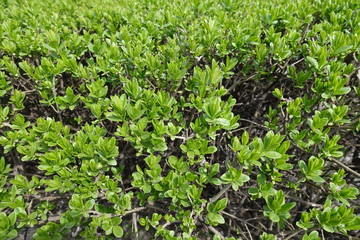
{"type": "Point", "coordinates": [293, 234]}
{"type": "Point", "coordinates": [345, 167]}
{"type": "Point", "coordinates": [216, 232]}
{"type": "Point", "coordinates": [135, 210]}
{"type": "Point", "coordinates": [305, 202]}
{"type": "Point", "coordinates": [255, 123]}
{"type": "Point", "coordinates": [222, 191]}
{"type": "Point", "coordinates": [242, 220]}
{"type": "Point", "coordinates": [169, 223]}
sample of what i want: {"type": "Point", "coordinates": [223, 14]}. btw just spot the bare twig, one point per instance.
{"type": "Point", "coordinates": [305, 202]}
{"type": "Point", "coordinates": [242, 128]}
{"type": "Point", "coordinates": [152, 85]}
{"type": "Point", "coordinates": [236, 83]}
{"type": "Point", "coordinates": [77, 231]}
{"type": "Point", "coordinates": [211, 228]}
{"type": "Point", "coordinates": [134, 225]}
{"type": "Point", "coordinates": [54, 218]}
{"type": "Point", "coordinates": [222, 191]}
{"type": "Point", "coordinates": [247, 229]}
{"type": "Point", "coordinates": [135, 210]}
{"type": "Point", "coordinates": [169, 223]}
{"type": "Point", "coordinates": [241, 220]}
{"type": "Point", "coordinates": [255, 123]}
{"type": "Point", "coordinates": [345, 167]}
{"type": "Point", "coordinates": [294, 63]}
{"type": "Point", "coordinates": [293, 234]}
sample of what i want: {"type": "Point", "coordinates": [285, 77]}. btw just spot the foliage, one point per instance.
{"type": "Point", "coordinates": [179, 119]}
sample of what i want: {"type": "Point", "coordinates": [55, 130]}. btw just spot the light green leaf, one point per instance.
{"type": "Point", "coordinates": [313, 62]}
{"type": "Point", "coordinates": [217, 218]}
{"type": "Point", "coordinates": [118, 231]}
{"type": "Point", "coordinates": [221, 121]}
{"type": "Point", "coordinates": [274, 217]}
{"type": "Point", "coordinates": [272, 154]}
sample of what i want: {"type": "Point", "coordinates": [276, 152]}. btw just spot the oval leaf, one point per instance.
{"type": "Point", "coordinates": [272, 154]}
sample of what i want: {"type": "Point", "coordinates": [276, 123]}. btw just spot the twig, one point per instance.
{"type": "Point", "coordinates": [293, 234]}
{"type": "Point", "coordinates": [240, 129]}
{"type": "Point", "coordinates": [98, 177]}
{"type": "Point", "coordinates": [51, 219]}
{"type": "Point", "coordinates": [152, 85]}
{"type": "Point", "coordinates": [290, 225]}
{"type": "Point", "coordinates": [294, 63]}
{"type": "Point", "coordinates": [345, 167]}
{"type": "Point", "coordinates": [247, 229]}
{"type": "Point", "coordinates": [184, 138]}
{"type": "Point", "coordinates": [236, 83]}
{"type": "Point", "coordinates": [30, 91]}
{"type": "Point", "coordinates": [29, 207]}
{"type": "Point", "coordinates": [211, 228]}
{"type": "Point", "coordinates": [305, 202]}
{"type": "Point", "coordinates": [134, 225]}
{"type": "Point", "coordinates": [169, 223]}
{"type": "Point", "coordinates": [135, 210]}
{"type": "Point", "coordinates": [222, 191]}
{"type": "Point", "coordinates": [255, 123]}
{"type": "Point", "coordinates": [241, 220]}
{"type": "Point", "coordinates": [77, 231]}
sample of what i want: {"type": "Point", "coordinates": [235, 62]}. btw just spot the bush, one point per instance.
{"type": "Point", "coordinates": [179, 119]}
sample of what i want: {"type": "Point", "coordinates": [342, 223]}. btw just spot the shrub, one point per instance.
{"type": "Point", "coordinates": [179, 119]}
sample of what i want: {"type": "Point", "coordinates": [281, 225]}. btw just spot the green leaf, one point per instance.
{"type": "Point", "coordinates": [253, 191]}
{"type": "Point", "coordinates": [221, 121]}
{"type": "Point", "coordinates": [341, 50]}
{"type": "Point", "coordinates": [317, 179]}
{"type": "Point", "coordinates": [76, 202]}
{"type": "Point", "coordinates": [287, 206]}
{"type": "Point", "coordinates": [217, 218]}
{"type": "Point", "coordinates": [314, 235]}
{"type": "Point", "coordinates": [245, 138]}
{"type": "Point", "coordinates": [210, 150]}
{"type": "Point", "coordinates": [277, 93]}
{"type": "Point", "coordinates": [354, 225]}
{"type": "Point", "coordinates": [12, 234]}
{"type": "Point", "coordinates": [218, 205]}
{"type": "Point", "coordinates": [342, 91]}
{"type": "Point", "coordinates": [267, 236]}
{"type": "Point", "coordinates": [272, 154]}
{"type": "Point", "coordinates": [118, 231]}
{"type": "Point", "coordinates": [106, 226]}
{"type": "Point", "coordinates": [12, 217]}
{"type": "Point", "coordinates": [274, 217]}
{"type": "Point", "coordinates": [89, 204]}
{"type": "Point", "coordinates": [221, 204]}
{"type": "Point", "coordinates": [313, 62]}
{"type": "Point", "coordinates": [215, 181]}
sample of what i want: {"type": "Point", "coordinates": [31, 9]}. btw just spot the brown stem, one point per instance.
{"type": "Point", "coordinates": [345, 167]}
{"type": "Point", "coordinates": [222, 191]}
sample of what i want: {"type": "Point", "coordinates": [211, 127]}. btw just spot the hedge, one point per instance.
{"type": "Point", "coordinates": [202, 119]}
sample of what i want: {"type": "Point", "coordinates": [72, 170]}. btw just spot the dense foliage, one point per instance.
{"type": "Point", "coordinates": [201, 119]}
